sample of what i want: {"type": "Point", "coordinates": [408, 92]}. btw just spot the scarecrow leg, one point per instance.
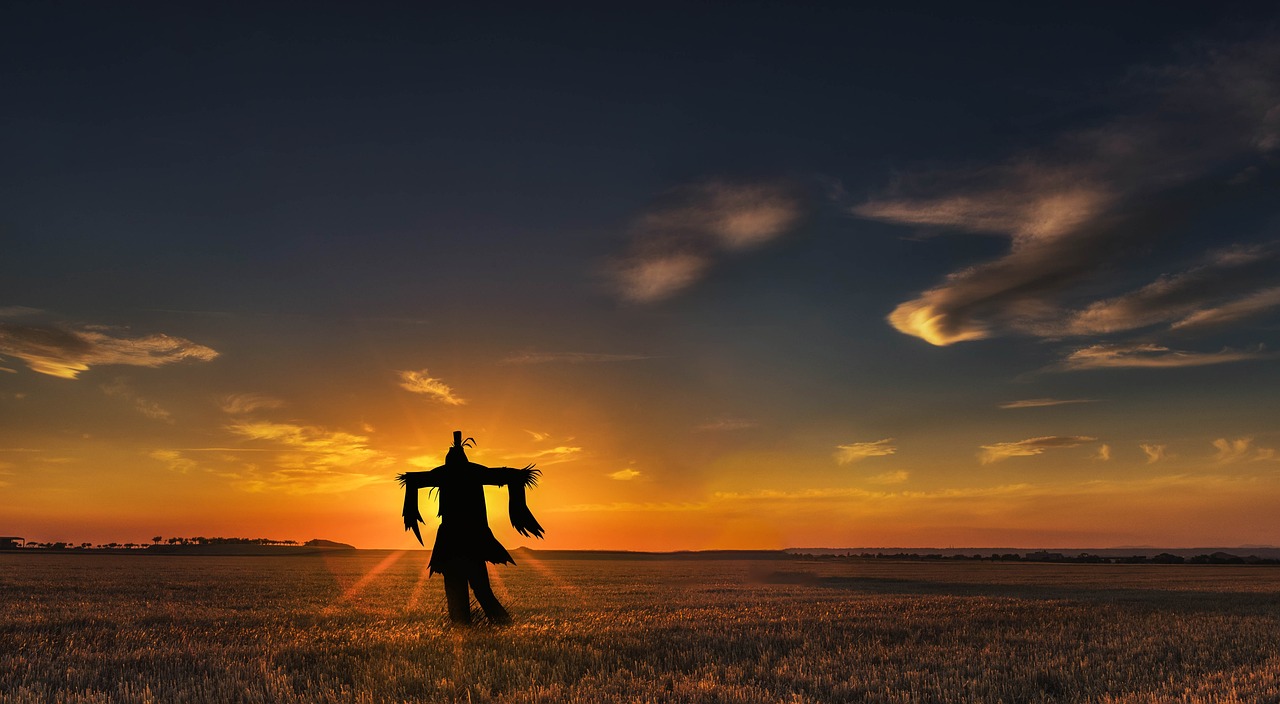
{"type": "Point", "coordinates": [455, 593]}
{"type": "Point", "coordinates": [478, 575]}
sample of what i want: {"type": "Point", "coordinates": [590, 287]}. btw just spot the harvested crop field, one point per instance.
{"type": "Point", "coordinates": [367, 627]}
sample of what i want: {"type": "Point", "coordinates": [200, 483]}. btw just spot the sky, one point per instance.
{"type": "Point", "coordinates": [742, 275]}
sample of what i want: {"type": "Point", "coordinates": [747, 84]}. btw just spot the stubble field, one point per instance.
{"type": "Point", "coordinates": [367, 627]}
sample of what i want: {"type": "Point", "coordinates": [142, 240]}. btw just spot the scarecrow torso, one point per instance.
{"type": "Point", "coordinates": [464, 534]}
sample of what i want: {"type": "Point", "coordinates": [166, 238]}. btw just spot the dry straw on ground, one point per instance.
{"type": "Point", "coordinates": [364, 628]}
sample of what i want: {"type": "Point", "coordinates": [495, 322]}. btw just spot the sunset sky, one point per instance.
{"type": "Point", "coordinates": [734, 276]}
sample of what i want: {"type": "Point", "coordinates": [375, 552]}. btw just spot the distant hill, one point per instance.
{"type": "Point", "coordinates": [318, 543]}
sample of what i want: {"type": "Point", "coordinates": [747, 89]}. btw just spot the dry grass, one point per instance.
{"type": "Point", "coordinates": [121, 628]}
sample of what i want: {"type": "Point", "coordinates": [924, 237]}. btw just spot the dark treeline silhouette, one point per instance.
{"type": "Point", "coordinates": [19, 544]}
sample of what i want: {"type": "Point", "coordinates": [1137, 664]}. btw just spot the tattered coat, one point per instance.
{"type": "Point", "coordinates": [464, 533]}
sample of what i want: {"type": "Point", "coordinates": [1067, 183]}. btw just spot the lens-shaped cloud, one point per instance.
{"type": "Point", "coordinates": [1029, 447]}
{"type": "Point", "coordinates": [1077, 210]}
{"type": "Point", "coordinates": [66, 352]}
{"type": "Point", "coordinates": [677, 242]}
{"type": "Point", "coordinates": [858, 451]}
{"type": "Point", "coordinates": [420, 382]}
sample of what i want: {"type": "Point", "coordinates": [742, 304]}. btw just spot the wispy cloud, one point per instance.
{"type": "Point", "coordinates": [320, 446]}
{"type": "Point", "coordinates": [1241, 449]}
{"type": "Point", "coordinates": [624, 475]}
{"type": "Point", "coordinates": [858, 451]}
{"type": "Point", "coordinates": [570, 358]}
{"type": "Point", "coordinates": [65, 352]}
{"type": "Point", "coordinates": [241, 404]}
{"type": "Point", "coordinates": [1029, 447]}
{"type": "Point", "coordinates": [631, 507]}
{"type": "Point", "coordinates": [676, 242]}
{"type": "Point", "coordinates": [288, 457]}
{"type": "Point", "coordinates": [1199, 294]}
{"type": "Point", "coordinates": [420, 382]}
{"type": "Point", "coordinates": [887, 478]}
{"type": "Point", "coordinates": [121, 389]}
{"type": "Point", "coordinates": [1043, 402]}
{"type": "Point", "coordinates": [1154, 453]}
{"type": "Point", "coordinates": [727, 424]}
{"type": "Point", "coordinates": [174, 460]}
{"type": "Point", "coordinates": [1248, 307]}
{"type": "Point", "coordinates": [1144, 355]}
{"type": "Point", "coordinates": [1104, 453]}
{"type": "Point", "coordinates": [18, 311]}
{"type": "Point", "coordinates": [553, 455]}
{"type": "Point", "coordinates": [538, 437]}
{"type": "Point", "coordinates": [1076, 210]}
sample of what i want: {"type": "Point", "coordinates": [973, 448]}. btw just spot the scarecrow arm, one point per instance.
{"type": "Point", "coordinates": [412, 481]}
{"type": "Point", "coordinates": [516, 481]}
{"type": "Point", "coordinates": [418, 480]}
{"type": "Point", "coordinates": [506, 476]}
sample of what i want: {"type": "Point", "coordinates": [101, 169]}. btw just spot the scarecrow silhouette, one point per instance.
{"type": "Point", "coordinates": [464, 544]}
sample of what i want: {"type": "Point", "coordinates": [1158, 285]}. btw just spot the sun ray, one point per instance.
{"type": "Point", "coordinates": [546, 571]}
{"type": "Point", "coordinates": [369, 576]}
{"type": "Point", "coordinates": [421, 584]}
{"type": "Point", "coordinates": [499, 586]}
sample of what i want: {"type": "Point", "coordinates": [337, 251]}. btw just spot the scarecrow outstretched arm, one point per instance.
{"type": "Point", "coordinates": [506, 476]}
{"type": "Point", "coordinates": [516, 481]}
{"type": "Point", "coordinates": [412, 481]}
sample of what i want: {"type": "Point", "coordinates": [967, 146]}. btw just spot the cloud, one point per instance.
{"type": "Point", "coordinates": [421, 383]}
{"type": "Point", "coordinates": [1029, 447]}
{"type": "Point", "coordinates": [296, 459]}
{"type": "Point", "coordinates": [897, 477]}
{"type": "Point", "coordinates": [328, 447]}
{"type": "Point", "coordinates": [65, 353]}
{"type": "Point", "coordinates": [1079, 210]}
{"type": "Point", "coordinates": [241, 404]}
{"type": "Point", "coordinates": [624, 475]}
{"type": "Point", "coordinates": [631, 507]}
{"type": "Point", "coordinates": [1241, 449]}
{"type": "Point", "coordinates": [1144, 355]}
{"type": "Point", "coordinates": [18, 311]}
{"type": "Point", "coordinates": [570, 358]}
{"type": "Point", "coordinates": [727, 424]}
{"type": "Point", "coordinates": [174, 460]}
{"type": "Point", "coordinates": [678, 241]}
{"type": "Point", "coordinates": [1196, 296]}
{"type": "Point", "coordinates": [858, 451]}
{"type": "Point", "coordinates": [538, 437]}
{"type": "Point", "coordinates": [656, 277]}
{"type": "Point", "coordinates": [120, 389]}
{"type": "Point", "coordinates": [1154, 453]}
{"type": "Point", "coordinates": [1043, 402]}
{"type": "Point", "coordinates": [1251, 306]}
{"type": "Point", "coordinates": [1104, 453]}
{"type": "Point", "coordinates": [554, 455]}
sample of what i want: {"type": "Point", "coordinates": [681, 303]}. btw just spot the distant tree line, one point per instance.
{"type": "Point", "coordinates": [1164, 558]}
{"type": "Point", "coordinates": [157, 540]}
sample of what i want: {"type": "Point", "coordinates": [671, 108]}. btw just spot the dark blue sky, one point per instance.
{"type": "Point", "coordinates": [686, 233]}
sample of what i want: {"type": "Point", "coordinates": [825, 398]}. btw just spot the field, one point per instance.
{"type": "Point", "coordinates": [366, 627]}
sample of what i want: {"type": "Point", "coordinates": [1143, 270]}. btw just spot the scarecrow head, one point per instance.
{"type": "Point", "coordinates": [456, 454]}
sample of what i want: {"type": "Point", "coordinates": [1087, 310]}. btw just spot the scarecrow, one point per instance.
{"type": "Point", "coordinates": [464, 544]}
